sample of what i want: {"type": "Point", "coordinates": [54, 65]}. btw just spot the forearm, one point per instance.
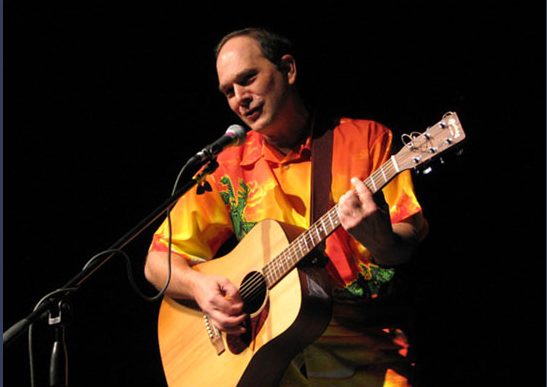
{"type": "Point", "coordinates": [398, 248]}
{"type": "Point", "coordinates": [183, 277]}
{"type": "Point", "coordinates": [367, 219]}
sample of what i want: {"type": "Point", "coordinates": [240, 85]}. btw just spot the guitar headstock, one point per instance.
{"type": "Point", "coordinates": [421, 147]}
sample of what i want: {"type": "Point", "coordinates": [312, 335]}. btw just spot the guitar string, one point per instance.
{"type": "Point", "coordinates": [276, 268]}
{"type": "Point", "coordinates": [321, 222]}
{"type": "Point", "coordinates": [371, 182]}
{"type": "Point", "coordinates": [287, 256]}
{"type": "Point", "coordinates": [272, 268]}
{"type": "Point", "coordinates": [270, 271]}
{"type": "Point", "coordinates": [299, 248]}
{"type": "Point", "coordinates": [250, 288]}
{"type": "Point", "coordinates": [301, 243]}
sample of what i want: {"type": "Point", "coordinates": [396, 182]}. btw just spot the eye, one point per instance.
{"type": "Point", "coordinates": [229, 93]}
{"type": "Point", "coordinates": [248, 79]}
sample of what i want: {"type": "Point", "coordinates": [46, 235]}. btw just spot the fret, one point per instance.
{"type": "Point", "coordinates": [395, 165]}
{"type": "Point", "coordinates": [318, 235]}
{"type": "Point", "coordinates": [276, 268]}
{"type": "Point", "coordinates": [322, 228]}
{"type": "Point", "coordinates": [270, 280]}
{"type": "Point", "coordinates": [371, 178]}
{"type": "Point", "coordinates": [330, 220]}
{"type": "Point", "coordinates": [282, 266]}
{"type": "Point", "coordinates": [305, 242]}
{"type": "Point", "coordinates": [311, 239]}
{"type": "Point", "coordinates": [299, 245]}
{"type": "Point", "coordinates": [383, 174]}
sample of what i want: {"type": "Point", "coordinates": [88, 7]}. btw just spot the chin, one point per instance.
{"type": "Point", "coordinates": [261, 125]}
{"type": "Point", "coordinates": [255, 126]}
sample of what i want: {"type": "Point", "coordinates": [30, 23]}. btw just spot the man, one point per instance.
{"type": "Point", "coordinates": [269, 177]}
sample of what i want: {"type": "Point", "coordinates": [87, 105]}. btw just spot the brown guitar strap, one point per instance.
{"type": "Point", "coordinates": [321, 171]}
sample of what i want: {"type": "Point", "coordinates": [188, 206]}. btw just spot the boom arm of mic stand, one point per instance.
{"type": "Point", "coordinates": [19, 327]}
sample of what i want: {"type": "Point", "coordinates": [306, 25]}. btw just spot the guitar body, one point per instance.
{"type": "Point", "coordinates": [295, 312]}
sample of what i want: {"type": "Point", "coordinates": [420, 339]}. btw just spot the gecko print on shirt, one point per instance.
{"type": "Point", "coordinates": [237, 206]}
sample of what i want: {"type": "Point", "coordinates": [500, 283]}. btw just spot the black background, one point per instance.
{"type": "Point", "coordinates": [103, 104]}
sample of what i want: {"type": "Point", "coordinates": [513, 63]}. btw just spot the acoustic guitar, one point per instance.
{"type": "Point", "coordinates": [288, 302]}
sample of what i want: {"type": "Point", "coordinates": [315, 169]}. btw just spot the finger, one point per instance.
{"type": "Point", "coordinates": [227, 306]}
{"type": "Point", "coordinates": [227, 299]}
{"type": "Point", "coordinates": [236, 331]}
{"type": "Point", "coordinates": [233, 321]}
{"type": "Point", "coordinates": [231, 292]}
{"type": "Point", "coordinates": [361, 189]}
{"type": "Point", "coordinates": [346, 206]}
{"type": "Point", "coordinates": [350, 201]}
{"type": "Point", "coordinates": [230, 324]}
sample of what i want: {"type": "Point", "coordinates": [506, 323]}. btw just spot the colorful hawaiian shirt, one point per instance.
{"type": "Point", "coordinates": [255, 181]}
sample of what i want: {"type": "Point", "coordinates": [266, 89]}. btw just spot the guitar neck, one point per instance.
{"type": "Point", "coordinates": [287, 260]}
{"type": "Point", "coordinates": [419, 148]}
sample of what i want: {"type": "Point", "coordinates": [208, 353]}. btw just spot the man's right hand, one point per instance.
{"type": "Point", "coordinates": [220, 300]}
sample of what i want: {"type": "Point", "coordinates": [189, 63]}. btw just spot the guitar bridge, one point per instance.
{"type": "Point", "coordinates": [214, 335]}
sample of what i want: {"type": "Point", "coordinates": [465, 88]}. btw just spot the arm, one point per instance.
{"type": "Point", "coordinates": [366, 218]}
{"type": "Point", "coordinates": [215, 295]}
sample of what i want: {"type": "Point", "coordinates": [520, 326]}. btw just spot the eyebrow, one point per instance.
{"type": "Point", "coordinates": [238, 78]}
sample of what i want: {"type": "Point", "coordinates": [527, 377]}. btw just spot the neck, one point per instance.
{"type": "Point", "coordinates": [292, 131]}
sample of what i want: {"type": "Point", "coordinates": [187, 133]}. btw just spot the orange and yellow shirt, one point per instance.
{"type": "Point", "coordinates": [254, 182]}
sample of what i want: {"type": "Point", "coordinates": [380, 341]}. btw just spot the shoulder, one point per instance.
{"type": "Point", "coordinates": [361, 130]}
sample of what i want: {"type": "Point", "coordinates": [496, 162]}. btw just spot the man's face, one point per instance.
{"type": "Point", "coordinates": [254, 87]}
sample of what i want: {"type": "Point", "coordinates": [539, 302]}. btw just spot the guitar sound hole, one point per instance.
{"type": "Point", "coordinates": [254, 292]}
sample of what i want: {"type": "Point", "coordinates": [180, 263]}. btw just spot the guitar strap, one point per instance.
{"type": "Point", "coordinates": [321, 168]}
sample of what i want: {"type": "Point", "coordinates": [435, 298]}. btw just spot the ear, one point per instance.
{"type": "Point", "coordinates": [287, 65]}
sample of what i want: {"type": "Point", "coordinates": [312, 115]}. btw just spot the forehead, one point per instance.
{"type": "Point", "coordinates": [238, 54]}
{"type": "Point", "coordinates": [242, 47]}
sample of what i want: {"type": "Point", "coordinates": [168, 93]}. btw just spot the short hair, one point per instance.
{"type": "Point", "coordinates": [272, 45]}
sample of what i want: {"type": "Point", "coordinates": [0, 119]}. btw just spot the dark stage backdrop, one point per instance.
{"type": "Point", "coordinates": [104, 102]}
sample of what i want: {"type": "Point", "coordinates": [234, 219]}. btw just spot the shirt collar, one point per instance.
{"type": "Point", "coordinates": [257, 147]}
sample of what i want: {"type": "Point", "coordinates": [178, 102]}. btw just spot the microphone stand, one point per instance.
{"type": "Point", "coordinates": [59, 359]}
{"type": "Point", "coordinates": [58, 364]}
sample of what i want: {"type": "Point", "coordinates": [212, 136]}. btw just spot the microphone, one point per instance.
{"type": "Point", "coordinates": [234, 135]}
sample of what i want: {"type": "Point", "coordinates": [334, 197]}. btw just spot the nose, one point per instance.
{"type": "Point", "coordinates": [243, 98]}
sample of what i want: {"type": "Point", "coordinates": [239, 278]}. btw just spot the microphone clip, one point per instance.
{"type": "Point", "coordinates": [203, 185]}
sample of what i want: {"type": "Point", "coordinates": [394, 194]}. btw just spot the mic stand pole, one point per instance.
{"type": "Point", "coordinates": [41, 310]}
{"type": "Point", "coordinates": [58, 364]}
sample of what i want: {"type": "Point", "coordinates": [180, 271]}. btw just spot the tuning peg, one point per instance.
{"type": "Point", "coordinates": [427, 170]}
{"type": "Point", "coordinates": [423, 171]}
